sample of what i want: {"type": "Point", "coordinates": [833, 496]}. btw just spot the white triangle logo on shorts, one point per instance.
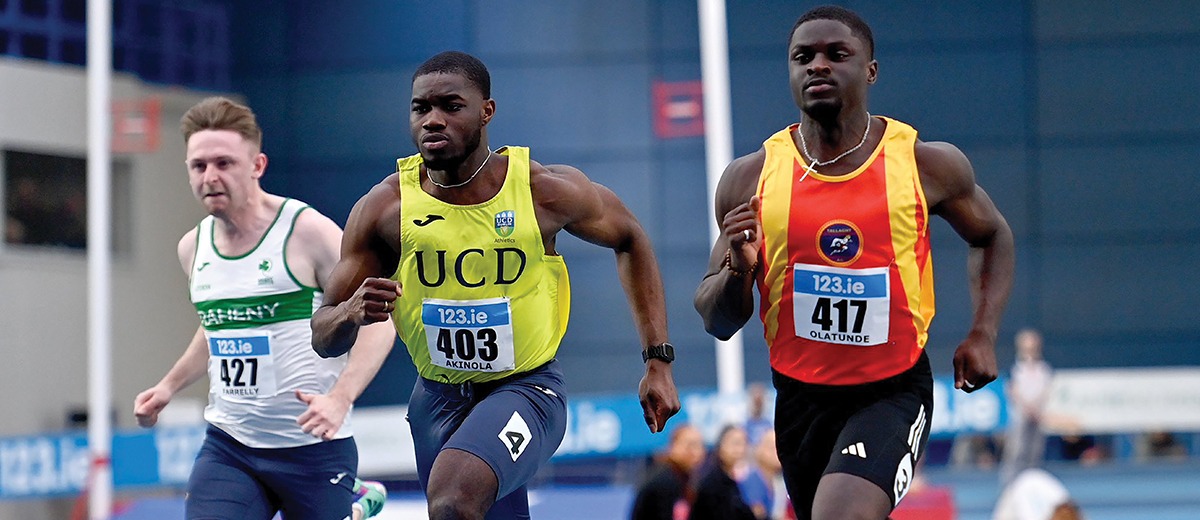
{"type": "Point", "coordinates": [856, 449]}
{"type": "Point", "coordinates": [515, 436]}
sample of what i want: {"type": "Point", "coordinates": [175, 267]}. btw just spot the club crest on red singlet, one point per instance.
{"type": "Point", "coordinates": [839, 242]}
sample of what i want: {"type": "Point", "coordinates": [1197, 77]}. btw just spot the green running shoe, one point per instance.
{"type": "Point", "coordinates": [369, 497]}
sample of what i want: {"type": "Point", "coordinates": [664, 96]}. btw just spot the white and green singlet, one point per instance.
{"type": "Point", "coordinates": [255, 315]}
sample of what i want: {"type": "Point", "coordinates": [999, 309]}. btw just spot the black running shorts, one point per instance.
{"type": "Point", "coordinates": [876, 431]}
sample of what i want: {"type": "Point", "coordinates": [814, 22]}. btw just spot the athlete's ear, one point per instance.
{"type": "Point", "coordinates": [260, 166]}
{"type": "Point", "coordinates": [872, 72]}
{"type": "Point", "coordinates": [489, 110]}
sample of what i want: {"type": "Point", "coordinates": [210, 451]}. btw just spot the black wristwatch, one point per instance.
{"type": "Point", "coordinates": [664, 351]}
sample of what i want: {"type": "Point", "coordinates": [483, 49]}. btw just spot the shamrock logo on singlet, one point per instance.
{"type": "Point", "coordinates": [264, 267]}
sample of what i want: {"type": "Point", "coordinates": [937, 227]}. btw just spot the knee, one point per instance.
{"type": "Point", "coordinates": [850, 511]}
{"type": "Point", "coordinates": [845, 497]}
{"type": "Point", "coordinates": [461, 486]}
{"type": "Point", "coordinates": [447, 507]}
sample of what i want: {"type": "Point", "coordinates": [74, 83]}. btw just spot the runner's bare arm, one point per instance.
{"type": "Point", "coordinates": [594, 213]}
{"type": "Point", "coordinates": [320, 239]}
{"type": "Point", "coordinates": [358, 291]}
{"type": "Point", "coordinates": [724, 299]}
{"type": "Point", "coordinates": [951, 192]}
{"type": "Point", "coordinates": [191, 366]}
{"type": "Point", "coordinates": [315, 243]}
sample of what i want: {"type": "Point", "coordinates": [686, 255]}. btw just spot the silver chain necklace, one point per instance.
{"type": "Point", "coordinates": [813, 164]}
{"type": "Point", "coordinates": [469, 179]}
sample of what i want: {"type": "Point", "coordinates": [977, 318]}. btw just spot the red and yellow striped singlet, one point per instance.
{"type": "Point", "coordinates": [847, 278]}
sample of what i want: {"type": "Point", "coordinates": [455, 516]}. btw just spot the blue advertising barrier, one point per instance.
{"type": "Point", "coordinates": [613, 425]}
{"type": "Point", "coordinates": [597, 426]}
{"type": "Point", "coordinates": [57, 465]}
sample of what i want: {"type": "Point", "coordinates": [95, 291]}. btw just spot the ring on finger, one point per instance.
{"type": "Point", "coordinates": [746, 233]}
{"type": "Point", "coordinates": [968, 384]}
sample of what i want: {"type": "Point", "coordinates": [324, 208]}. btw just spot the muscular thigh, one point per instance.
{"type": "Point", "coordinates": [515, 429]}
{"type": "Point", "coordinates": [434, 414]}
{"type": "Point", "coordinates": [883, 441]}
{"type": "Point", "coordinates": [806, 431]}
{"type": "Point", "coordinates": [315, 481]}
{"type": "Point", "coordinates": [223, 486]}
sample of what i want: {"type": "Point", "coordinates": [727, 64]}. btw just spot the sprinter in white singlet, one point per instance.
{"type": "Point", "coordinates": [279, 437]}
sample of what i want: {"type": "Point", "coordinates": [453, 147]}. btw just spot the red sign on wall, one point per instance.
{"type": "Point", "coordinates": [678, 109]}
{"type": "Point", "coordinates": [135, 125]}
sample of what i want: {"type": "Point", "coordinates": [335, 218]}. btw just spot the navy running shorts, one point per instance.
{"type": "Point", "coordinates": [877, 431]}
{"type": "Point", "coordinates": [231, 481]}
{"type": "Point", "coordinates": [514, 424]}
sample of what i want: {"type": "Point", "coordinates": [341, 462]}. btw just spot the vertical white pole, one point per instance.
{"type": "Point", "coordinates": [99, 251]}
{"type": "Point", "coordinates": [718, 152]}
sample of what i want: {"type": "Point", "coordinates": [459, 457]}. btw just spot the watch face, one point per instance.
{"type": "Point", "coordinates": [665, 352]}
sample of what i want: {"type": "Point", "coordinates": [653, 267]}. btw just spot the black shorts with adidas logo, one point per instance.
{"type": "Point", "coordinates": [876, 431]}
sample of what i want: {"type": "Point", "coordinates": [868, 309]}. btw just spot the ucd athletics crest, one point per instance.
{"type": "Point", "coordinates": [505, 223]}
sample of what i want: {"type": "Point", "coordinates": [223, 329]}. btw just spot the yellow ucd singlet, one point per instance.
{"type": "Point", "coordinates": [480, 299]}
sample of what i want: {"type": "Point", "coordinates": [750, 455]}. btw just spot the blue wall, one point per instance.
{"type": "Point", "coordinates": [1080, 119]}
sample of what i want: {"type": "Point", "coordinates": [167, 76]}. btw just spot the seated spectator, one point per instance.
{"type": "Point", "coordinates": [663, 493]}
{"type": "Point", "coordinates": [1164, 445]}
{"type": "Point", "coordinates": [758, 487]}
{"type": "Point", "coordinates": [717, 493]}
{"type": "Point", "coordinates": [1088, 450]}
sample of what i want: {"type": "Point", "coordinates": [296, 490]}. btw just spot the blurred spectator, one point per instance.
{"type": "Point", "coordinates": [1082, 448]}
{"type": "Point", "coordinates": [1028, 390]}
{"type": "Point", "coordinates": [758, 487]}
{"type": "Point", "coordinates": [14, 230]}
{"type": "Point", "coordinates": [30, 214]}
{"type": "Point", "coordinates": [1163, 445]}
{"type": "Point", "coordinates": [974, 451]}
{"type": "Point", "coordinates": [717, 493]}
{"type": "Point", "coordinates": [72, 220]}
{"type": "Point", "coordinates": [662, 495]}
{"type": "Point", "coordinates": [1035, 494]}
{"type": "Point", "coordinates": [46, 213]}
{"type": "Point", "coordinates": [757, 421]}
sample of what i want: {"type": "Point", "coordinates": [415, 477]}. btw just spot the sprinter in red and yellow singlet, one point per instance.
{"type": "Point", "coordinates": [851, 271]}
{"type": "Point", "coordinates": [830, 222]}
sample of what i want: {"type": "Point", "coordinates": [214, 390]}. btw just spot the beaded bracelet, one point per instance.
{"type": "Point", "coordinates": [729, 264]}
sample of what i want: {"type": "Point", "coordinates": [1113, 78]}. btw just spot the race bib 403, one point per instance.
{"type": "Point", "coordinates": [469, 335]}
{"type": "Point", "coordinates": [842, 306]}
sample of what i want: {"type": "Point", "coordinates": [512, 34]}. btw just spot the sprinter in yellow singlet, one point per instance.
{"type": "Point", "coordinates": [467, 267]}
